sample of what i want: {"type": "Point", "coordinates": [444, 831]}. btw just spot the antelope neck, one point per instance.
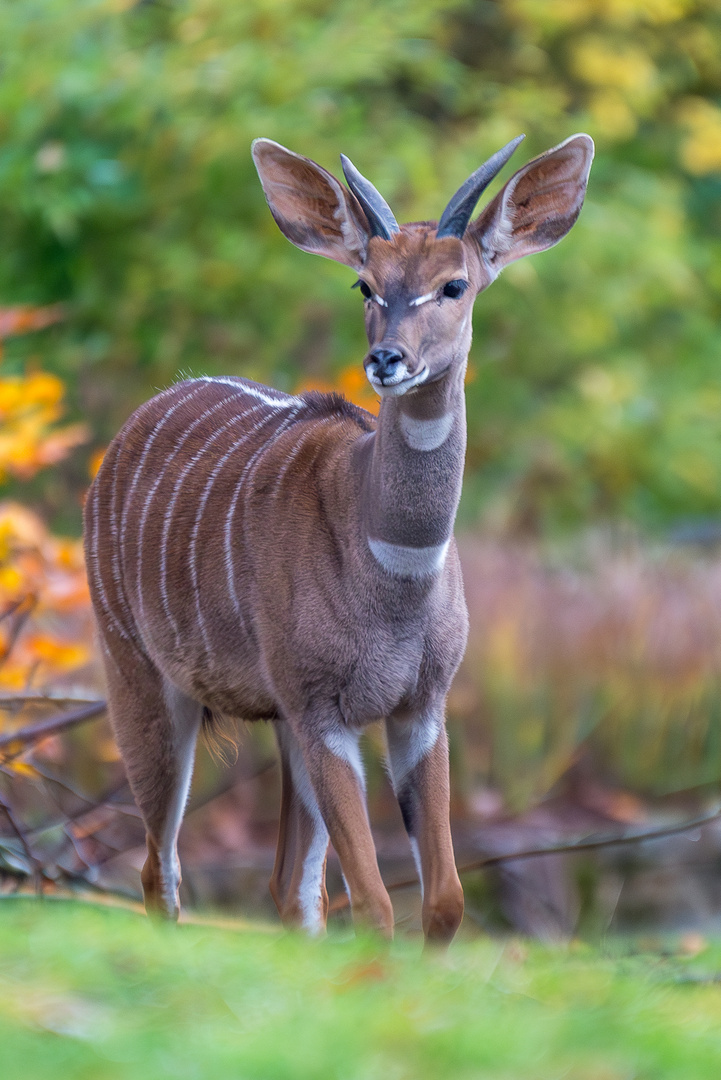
{"type": "Point", "coordinates": [413, 475]}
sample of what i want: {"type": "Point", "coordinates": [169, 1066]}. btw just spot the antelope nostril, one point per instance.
{"type": "Point", "coordinates": [387, 356]}
{"type": "Point", "coordinates": [386, 361]}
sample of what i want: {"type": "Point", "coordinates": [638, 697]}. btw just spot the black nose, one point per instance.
{"type": "Point", "coordinates": [385, 361]}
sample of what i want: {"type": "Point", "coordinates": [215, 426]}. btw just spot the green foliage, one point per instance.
{"type": "Point", "coordinates": [127, 191]}
{"type": "Point", "coordinates": [99, 993]}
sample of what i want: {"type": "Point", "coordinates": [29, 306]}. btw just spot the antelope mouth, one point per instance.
{"type": "Point", "coordinates": [401, 386]}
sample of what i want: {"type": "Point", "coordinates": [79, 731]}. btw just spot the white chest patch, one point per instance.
{"type": "Point", "coordinates": [410, 562]}
{"type": "Point", "coordinates": [426, 434]}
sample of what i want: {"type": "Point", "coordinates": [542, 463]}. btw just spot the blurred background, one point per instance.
{"type": "Point", "coordinates": [136, 246]}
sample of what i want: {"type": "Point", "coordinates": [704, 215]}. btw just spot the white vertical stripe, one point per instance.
{"type": "Point", "coordinates": [144, 457]}
{"type": "Point", "coordinates": [154, 487]}
{"type": "Point", "coordinates": [229, 562]}
{"type": "Point", "coordinates": [115, 545]}
{"type": "Point", "coordinates": [311, 429]}
{"type": "Point", "coordinates": [95, 559]}
{"type": "Point", "coordinates": [198, 518]}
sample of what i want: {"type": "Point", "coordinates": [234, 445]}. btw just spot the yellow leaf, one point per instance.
{"type": "Point", "coordinates": [21, 768]}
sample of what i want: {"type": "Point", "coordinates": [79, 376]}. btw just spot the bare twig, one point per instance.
{"type": "Point", "coordinates": [18, 613]}
{"type": "Point", "coordinates": [34, 732]}
{"type": "Point", "coordinates": [20, 835]}
{"type": "Point", "coordinates": [341, 902]}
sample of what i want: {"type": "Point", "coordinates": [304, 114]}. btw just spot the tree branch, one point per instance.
{"type": "Point", "coordinates": [34, 732]}
{"type": "Point", "coordinates": [583, 844]}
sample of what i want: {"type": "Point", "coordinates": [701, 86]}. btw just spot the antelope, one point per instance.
{"type": "Point", "coordinates": [265, 556]}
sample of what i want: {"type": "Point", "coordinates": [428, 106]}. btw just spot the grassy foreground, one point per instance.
{"type": "Point", "coordinates": [96, 993]}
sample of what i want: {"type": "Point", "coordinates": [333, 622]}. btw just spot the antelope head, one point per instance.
{"type": "Point", "coordinates": [419, 281]}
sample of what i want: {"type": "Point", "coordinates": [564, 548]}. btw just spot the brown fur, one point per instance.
{"type": "Point", "coordinates": [290, 559]}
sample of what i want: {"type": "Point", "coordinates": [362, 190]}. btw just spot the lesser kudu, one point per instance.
{"type": "Point", "coordinates": [291, 558]}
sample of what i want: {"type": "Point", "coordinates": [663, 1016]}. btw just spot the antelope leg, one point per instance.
{"type": "Point", "coordinates": [335, 769]}
{"type": "Point", "coordinates": [298, 881]}
{"type": "Point", "coordinates": [418, 762]}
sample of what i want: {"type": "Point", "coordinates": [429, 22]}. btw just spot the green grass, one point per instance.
{"type": "Point", "coordinates": [96, 993]}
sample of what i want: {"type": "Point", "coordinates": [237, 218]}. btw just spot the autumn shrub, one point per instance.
{"type": "Point", "coordinates": [128, 193]}
{"type": "Point", "coordinates": [45, 633]}
{"type": "Point", "coordinates": [611, 652]}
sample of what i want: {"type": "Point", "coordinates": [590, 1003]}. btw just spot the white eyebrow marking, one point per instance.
{"type": "Point", "coordinates": [421, 299]}
{"type": "Point", "coordinates": [379, 300]}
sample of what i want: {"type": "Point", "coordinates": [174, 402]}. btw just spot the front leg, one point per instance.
{"type": "Point", "coordinates": [332, 758]}
{"type": "Point", "coordinates": [418, 763]}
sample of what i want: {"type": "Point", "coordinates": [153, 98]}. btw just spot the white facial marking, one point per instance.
{"type": "Point", "coordinates": [426, 434]}
{"type": "Point", "coordinates": [343, 742]}
{"type": "Point", "coordinates": [397, 388]}
{"type": "Point", "coordinates": [410, 562]}
{"type": "Point", "coordinates": [421, 299]}
{"type": "Point", "coordinates": [379, 300]}
{"type": "Point", "coordinates": [400, 373]}
{"type": "Point", "coordinates": [409, 741]}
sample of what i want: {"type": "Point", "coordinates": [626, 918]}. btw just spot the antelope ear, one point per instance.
{"type": "Point", "coordinates": [538, 205]}
{"type": "Point", "coordinates": [312, 209]}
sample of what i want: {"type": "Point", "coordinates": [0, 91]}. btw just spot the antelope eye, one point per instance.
{"type": "Point", "coordinates": [365, 290]}
{"type": "Point", "coordinates": [454, 289]}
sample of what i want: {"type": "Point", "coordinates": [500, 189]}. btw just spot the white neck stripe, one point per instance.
{"type": "Point", "coordinates": [409, 562]}
{"type": "Point", "coordinates": [426, 434]}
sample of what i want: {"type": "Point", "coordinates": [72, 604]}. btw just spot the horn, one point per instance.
{"type": "Point", "coordinates": [457, 214]}
{"type": "Point", "coordinates": [379, 214]}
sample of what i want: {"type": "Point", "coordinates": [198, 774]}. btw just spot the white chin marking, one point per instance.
{"type": "Point", "coordinates": [426, 434]}
{"type": "Point", "coordinates": [402, 386]}
{"type": "Point", "coordinates": [410, 562]}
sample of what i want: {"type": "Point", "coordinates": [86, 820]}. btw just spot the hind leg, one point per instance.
{"type": "Point", "coordinates": [298, 881]}
{"type": "Point", "coordinates": [156, 727]}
